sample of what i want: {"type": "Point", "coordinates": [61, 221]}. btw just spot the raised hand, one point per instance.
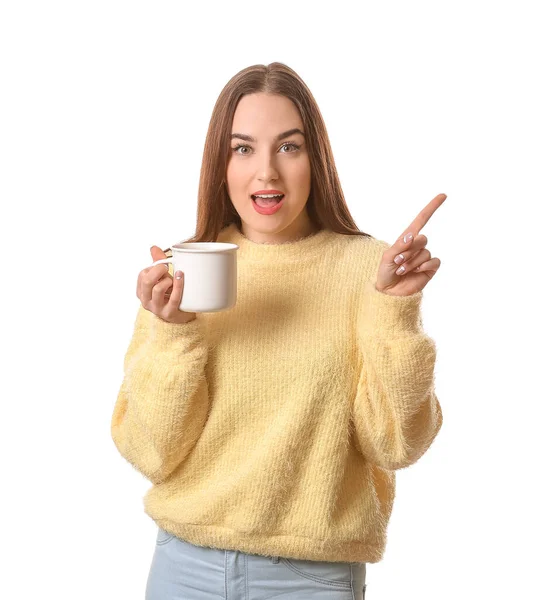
{"type": "Point", "coordinates": [407, 266]}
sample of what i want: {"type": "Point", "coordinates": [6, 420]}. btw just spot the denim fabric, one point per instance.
{"type": "Point", "coordinates": [183, 571]}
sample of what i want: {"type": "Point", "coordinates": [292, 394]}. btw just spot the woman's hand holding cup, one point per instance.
{"type": "Point", "coordinates": [153, 291]}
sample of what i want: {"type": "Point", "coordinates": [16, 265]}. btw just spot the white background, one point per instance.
{"type": "Point", "coordinates": [103, 116]}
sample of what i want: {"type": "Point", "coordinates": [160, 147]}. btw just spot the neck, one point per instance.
{"type": "Point", "coordinates": [297, 230]}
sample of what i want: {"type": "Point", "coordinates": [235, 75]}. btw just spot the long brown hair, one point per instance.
{"type": "Point", "coordinates": [326, 205]}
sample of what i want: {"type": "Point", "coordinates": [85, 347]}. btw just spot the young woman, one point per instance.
{"type": "Point", "coordinates": [272, 431]}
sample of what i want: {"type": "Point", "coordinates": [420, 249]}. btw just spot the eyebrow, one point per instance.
{"type": "Point", "coordinates": [248, 138]}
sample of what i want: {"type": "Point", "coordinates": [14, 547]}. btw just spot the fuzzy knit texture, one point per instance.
{"type": "Point", "coordinates": [276, 427]}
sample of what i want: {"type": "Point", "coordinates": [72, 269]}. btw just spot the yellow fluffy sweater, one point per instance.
{"type": "Point", "coordinates": [276, 427]}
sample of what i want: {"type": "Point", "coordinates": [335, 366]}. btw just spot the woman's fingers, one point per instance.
{"type": "Point", "coordinates": [147, 280]}
{"type": "Point", "coordinates": [158, 297]}
{"type": "Point", "coordinates": [402, 252]}
{"type": "Point", "coordinates": [417, 259]}
{"type": "Point", "coordinates": [430, 267]}
{"type": "Point", "coordinates": [153, 290]}
{"type": "Point", "coordinates": [424, 215]}
{"type": "Point", "coordinates": [176, 295]}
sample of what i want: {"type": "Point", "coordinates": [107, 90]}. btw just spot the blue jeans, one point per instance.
{"type": "Point", "coordinates": [183, 571]}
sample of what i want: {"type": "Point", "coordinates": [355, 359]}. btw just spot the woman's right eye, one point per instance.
{"type": "Point", "coordinates": [237, 148]}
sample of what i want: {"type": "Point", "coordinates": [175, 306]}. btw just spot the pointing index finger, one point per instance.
{"type": "Point", "coordinates": [424, 216]}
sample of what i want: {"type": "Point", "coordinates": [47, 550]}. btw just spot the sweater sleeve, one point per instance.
{"type": "Point", "coordinates": [162, 403]}
{"type": "Point", "coordinates": [396, 412]}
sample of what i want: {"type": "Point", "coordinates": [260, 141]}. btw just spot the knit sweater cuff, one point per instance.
{"type": "Point", "coordinates": [162, 333]}
{"type": "Point", "coordinates": [387, 316]}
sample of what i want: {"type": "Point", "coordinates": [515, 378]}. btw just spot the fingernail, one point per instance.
{"type": "Point", "coordinates": [179, 274]}
{"type": "Point", "coordinates": [399, 259]}
{"type": "Point", "coordinates": [400, 270]}
{"type": "Point", "coordinates": [408, 237]}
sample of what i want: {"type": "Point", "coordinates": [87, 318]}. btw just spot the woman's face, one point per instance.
{"type": "Point", "coordinates": [261, 158]}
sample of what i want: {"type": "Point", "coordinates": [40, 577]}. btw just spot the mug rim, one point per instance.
{"type": "Point", "coordinates": [197, 247]}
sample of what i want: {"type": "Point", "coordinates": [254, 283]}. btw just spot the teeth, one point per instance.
{"type": "Point", "coordinates": [267, 195]}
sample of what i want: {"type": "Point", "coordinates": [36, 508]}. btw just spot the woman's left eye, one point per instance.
{"type": "Point", "coordinates": [295, 146]}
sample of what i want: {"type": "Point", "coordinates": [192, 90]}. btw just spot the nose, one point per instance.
{"type": "Point", "coordinates": [267, 171]}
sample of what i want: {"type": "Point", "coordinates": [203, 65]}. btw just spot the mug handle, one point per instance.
{"type": "Point", "coordinates": [161, 262]}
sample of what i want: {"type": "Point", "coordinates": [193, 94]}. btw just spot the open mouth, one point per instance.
{"type": "Point", "coordinates": [267, 206]}
{"type": "Point", "coordinates": [267, 200]}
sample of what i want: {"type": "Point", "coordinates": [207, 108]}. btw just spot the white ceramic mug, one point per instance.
{"type": "Point", "coordinates": [210, 270]}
